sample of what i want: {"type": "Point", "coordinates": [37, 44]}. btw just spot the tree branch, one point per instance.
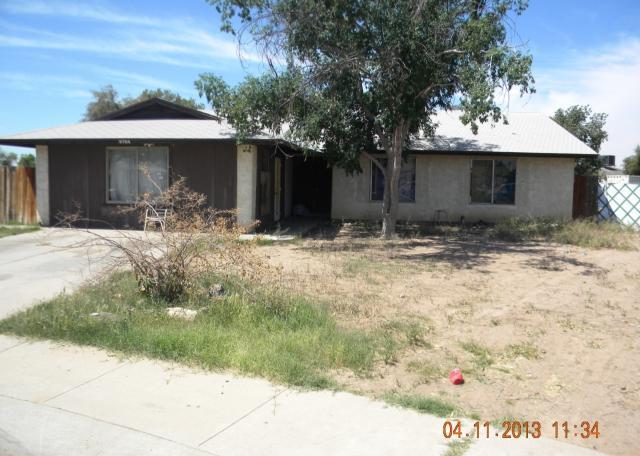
{"type": "Point", "coordinates": [375, 161]}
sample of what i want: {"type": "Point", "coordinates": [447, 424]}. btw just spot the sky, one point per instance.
{"type": "Point", "coordinates": [53, 53]}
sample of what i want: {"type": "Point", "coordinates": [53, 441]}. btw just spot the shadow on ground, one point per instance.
{"type": "Point", "coordinates": [456, 246]}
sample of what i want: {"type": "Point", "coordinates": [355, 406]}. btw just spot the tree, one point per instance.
{"type": "Point", "coordinates": [165, 95]}
{"type": "Point", "coordinates": [105, 101]}
{"type": "Point", "coordinates": [588, 127]}
{"type": "Point", "coordinates": [27, 161]}
{"type": "Point", "coordinates": [7, 158]}
{"type": "Point", "coordinates": [632, 163]}
{"type": "Point", "coordinates": [361, 76]}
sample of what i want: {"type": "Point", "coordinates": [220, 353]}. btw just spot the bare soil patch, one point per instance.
{"type": "Point", "coordinates": [541, 331]}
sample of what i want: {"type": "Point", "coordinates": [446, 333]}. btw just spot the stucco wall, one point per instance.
{"type": "Point", "coordinates": [544, 188]}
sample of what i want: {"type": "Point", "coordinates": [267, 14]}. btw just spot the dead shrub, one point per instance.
{"type": "Point", "coordinates": [193, 241]}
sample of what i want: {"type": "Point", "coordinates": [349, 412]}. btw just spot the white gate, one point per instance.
{"type": "Point", "coordinates": [619, 202]}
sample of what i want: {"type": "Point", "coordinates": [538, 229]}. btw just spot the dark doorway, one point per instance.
{"type": "Point", "coordinates": [311, 195]}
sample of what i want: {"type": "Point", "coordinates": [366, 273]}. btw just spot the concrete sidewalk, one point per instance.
{"type": "Point", "coordinates": [66, 400]}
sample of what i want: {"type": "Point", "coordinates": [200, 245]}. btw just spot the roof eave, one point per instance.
{"type": "Point", "coordinates": [495, 152]}
{"type": "Point", "coordinates": [135, 141]}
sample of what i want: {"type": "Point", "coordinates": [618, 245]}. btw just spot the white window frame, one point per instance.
{"type": "Point", "coordinates": [493, 178]}
{"type": "Point", "coordinates": [107, 170]}
{"type": "Point", "coordinates": [415, 174]}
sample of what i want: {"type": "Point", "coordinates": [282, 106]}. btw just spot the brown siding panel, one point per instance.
{"type": "Point", "coordinates": [209, 168]}
{"type": "Point", "coordinates": [78, 178]}
{"type": "Point", "coordinates": [69, 188]}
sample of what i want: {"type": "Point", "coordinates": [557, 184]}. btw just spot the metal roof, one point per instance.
{"type": "Point", "coordinates": [525, 134]}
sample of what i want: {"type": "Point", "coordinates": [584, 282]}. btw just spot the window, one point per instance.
{"type": "Point", "coordinates": [134, 171]}
{"type": "Point", "coordinates": [407, 185]}
{"type": "Point", "coordinates": [493, 181]}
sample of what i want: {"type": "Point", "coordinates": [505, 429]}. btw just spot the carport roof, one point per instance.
{"type": "Point", "coordinates": [524, 134]}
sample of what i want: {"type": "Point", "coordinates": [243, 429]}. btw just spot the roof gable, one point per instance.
{"type": "Point", "coordinates": [157, 108]}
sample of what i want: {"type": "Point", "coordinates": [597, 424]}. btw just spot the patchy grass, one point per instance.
{"type": "Point", "coordinates": [426, 370]}
{"type": "Point", "coordinates": [413, 331]}
{"type": "Point", "coordinates": [525, 349]}
{"type": "Point", "coordinates": [598, 235]}
{"type": "Point", "coordinates": [517, 229]}
{"type": "Point", "coordinates": [422, 404]}
{"type": "Point", "coordinates": [262, 241]}
{"type": "Point", "coordinates": [280, 336]}
{"type": "Point", "coordinates": [458, 447]}
{"type": "Point", "coordinates": [482, 358]}
{"type": "Point", "coordinates": [12, 230]}
{"type": "Point", "coordinates": [362, 265]}
{"type": "Point", "coordinates": [583, 233]}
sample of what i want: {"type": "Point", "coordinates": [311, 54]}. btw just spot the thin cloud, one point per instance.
{"type": "Point", "coordinates": [180, 42]}
{"type": "Point", "coordinates": [67, 86]}
{"type": "Point", "coordinates": [134, 79]}
{"type": "Point", "coordinates": [83, 10]}
{"type": "Point", "coordinates": [605, 78]}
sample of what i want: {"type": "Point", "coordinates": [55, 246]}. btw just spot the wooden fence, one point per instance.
{"type": "Point", "coordinates": [585, 196]}
{"type": "Point", "coordinates": [18, 195]}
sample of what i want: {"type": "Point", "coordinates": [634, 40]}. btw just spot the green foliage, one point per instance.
{"type": "Point", "coordinates": [360, 75]}
{"type": "Point", "coordinates": [167, 95]}
{"type": "Point", "coordinates": [27, 161]}
{"type": "Point", "coordinates": [106, 100]}
{"type": "Point", "coordinates": [10, 159]}
{"type": "Point", "coordinates": [588, 127]}
{"type": "Point", "coordinates": [7, 158]}
{"type": "Point", "coordinates": [632, 163]}
{"type": "Point", "coordinates": [252, 330]}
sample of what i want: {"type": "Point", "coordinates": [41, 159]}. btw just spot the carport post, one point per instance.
{"type": "Point", "coordinates": [246, 183]}
{"type": "Point", "coordinates": [42, 184]}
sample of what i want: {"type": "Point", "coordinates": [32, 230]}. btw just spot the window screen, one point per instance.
{"type": "Point", "coordinates": [406, 186]}
{"type": "Point", "coordinates": [134, 171]}
{"type": "Point", "coordinates": [493, 181]}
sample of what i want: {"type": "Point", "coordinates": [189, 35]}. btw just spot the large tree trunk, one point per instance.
{"type": "Point", "coordinates": [391, 182]}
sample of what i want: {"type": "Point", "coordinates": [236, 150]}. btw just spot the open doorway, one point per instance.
{"type": "Point", "coordinates": [311, 187]}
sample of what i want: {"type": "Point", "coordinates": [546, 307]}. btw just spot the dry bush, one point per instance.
{"type": "Point", "coordinates": [196, 241]}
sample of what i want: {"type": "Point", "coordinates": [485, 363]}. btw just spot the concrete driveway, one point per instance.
{"type": "Point", "coordinates": [39, 265]}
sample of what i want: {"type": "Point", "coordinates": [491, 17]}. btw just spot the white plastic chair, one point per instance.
{"type": "Point", "coordinates": [156, 217]}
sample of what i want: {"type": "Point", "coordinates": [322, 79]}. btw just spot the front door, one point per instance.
{"type": "Point", "coordinates": [277, 190]}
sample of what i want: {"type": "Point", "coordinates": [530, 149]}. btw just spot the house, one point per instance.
{"type": "Point", "coordinates": [523, 168]}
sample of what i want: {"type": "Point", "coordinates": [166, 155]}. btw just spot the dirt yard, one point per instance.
{"type": "Point", "coordinates": [541, 331]}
